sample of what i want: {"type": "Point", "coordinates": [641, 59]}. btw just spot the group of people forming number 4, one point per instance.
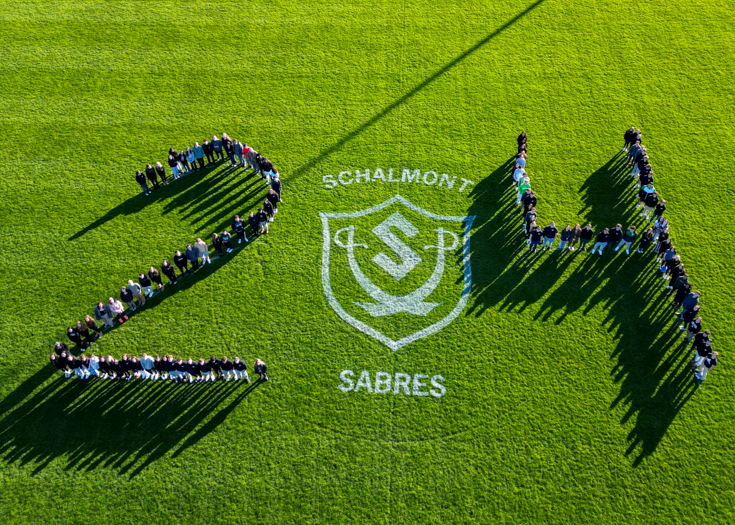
{"type": "Point", "coordinates": [613, 239]}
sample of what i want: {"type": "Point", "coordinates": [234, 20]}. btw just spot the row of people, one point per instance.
{"type": "Point", "coordinates": [671, 267]}
{"type": "Point", "coordinates": [154, 368]}
{"type": "Point", "coordinates": [134, 294]}
{"type": "Point", "coordinates": [191, 159]}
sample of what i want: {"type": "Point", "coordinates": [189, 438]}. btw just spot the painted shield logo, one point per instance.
{"type": "Point", "coordinates": [395, 271]}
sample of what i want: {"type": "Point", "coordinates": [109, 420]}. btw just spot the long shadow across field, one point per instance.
{"type": "Point", "coordinates": [650, 362]}
{"type": "Point", "coordinates": [120, 425]}
{"type": "Point", "coordinates": [207, 198]}
{"type": "Point", "coordinates": [380, 115]}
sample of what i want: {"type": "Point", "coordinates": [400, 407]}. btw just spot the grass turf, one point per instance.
{"type": "Point", "coordinates": [568, 397]}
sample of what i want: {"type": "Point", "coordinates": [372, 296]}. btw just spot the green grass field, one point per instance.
{"type": "Point", "coordinates": [568, 394]}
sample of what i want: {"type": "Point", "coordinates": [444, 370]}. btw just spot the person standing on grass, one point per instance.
{"type": "Point", "coordinates": [168, 271]}
{"type": "Point", "coordinates": [214, 364]}
{"type": "Point", "coordinates": [217, 146]}
{"type": "Point", "coordinates": [117, 310]}
{"type": "Point", "coordinates": [564, 235]}
{"type": "Point", "coordinates": [627, 240]}
{"type": "Point", "coordinates": [658, 211]}
{"type": "Point", "coordinates": [693, 328]}
{"type": "Point", "coordinates": [530, 219]}
{"type": "Point", "coordinates": [202, 251]}
{"type": "Point", "coordinates": [208, 151]}
{"type": "Point", "coordinates": [173, 162]}
{"type": "Point", "coordinates": [241, 370]}
{"type": "Point", "coordinates": [102, 313]}
{"type": "Point", "coordinates": [92, 325]}
{"type": "Point", "coordinates": [272, 197]}
{"type": "Point", "coordinates": [602, 239]}
{"type": "Point", "coordinates": [678, 278]}
{"type": "Point", "coordinates": [529, 201]}
{"type": "Point", "coordinates": [518, 174]}
{"type": "Point", "coordinates": [191, 158]}
{"type": "Point", "coordinates": [262, 221]}
{"type": "Point", "coordinates": [145, 284]}
{"type": "Point", "coordinates": [238, 152]}
{"type": "Point", "coordinates": [140, 179]}
{"type": "Point", "coordinates": [161, 172]}
{"type": "Point", "coordinates": [85, 333]}
{"type": "Point", "coordinates": [632, 152]}
{"type": "Point", "coordinates": [277, 187]}
{"type": "Point", "coordinates": [708, 364]}
{"type": "Point", "coordinates": [238, 226]}
{"type": "Point", "coordinates": [193, 255]}
{"type": "Point", "coordinates": [137, 292]}
{"type": "Point", "coordinates": [227, 240]}
{"type": "Point", "coordinates": [59, 364]}
{"type": "Point", "coordinates": [649, 204]}
{"type": "Point", "coordinates": [522, 141]}
{"type": "Point", "coordinates": [155, 276]}
{"type": "Point", "coordinates": [126, 296]}
{"type": "Point", "coordinates": [628, 136]}
{"type": "Point", "coordinates": [184, 161]}
{"type": "Point", "coordinates": [646, 190]}
{"type": "Point", "coordinates": [615, 235]}
{"type": "Point", "coordinates": [662, 247]}
{"type": "Point", "coordinates": [217, 244]}
{"type": "Point", "coordinates": [181, 262]}
{"type": "Point", "coordinates": [688, 304]}
{"type": "Point", "coordinates": [574, 234]}
{"type": "Point", "coordinates": [534, 238]}
{"type": "Point", "coordinates": [246, 149]}
{"type": "Point", "coordinates": [521, 159]}
{"type": "Point", "coordinates": [229, 149]}
{"type": "Point", "coordinates": [150, 174]}
{"type": "Point", "coordinates": [585, 236]}
{"type": "Point", "coordinates": [646, 239]}
{"type": "Point", "coordinates": [252, 158]}
{"type": "Point", "coordinates": [199, 154]}
{"type": "Point", "coordinates": [268, 209]}
{"type": "Point", "coordinates": [522, 187]}
{"type": "Point", "coordinates": [682, 291]}
{"type": "Point", "coordinates": [550, 233]}
{"type": "Point", "coordinates": [661, 225]}
{"type": "Point", "coordinates": [254, 224]}
{"type": "Point", "coordinates": [260, 369]}
{"type": "Point", "coordinates": [227, 368]}
{"type": "Point", "coordinates": [60, 347]}
{"type": "Point", "coordinates": [75, 337]}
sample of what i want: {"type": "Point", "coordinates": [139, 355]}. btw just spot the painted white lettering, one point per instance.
{"type": "Point", "coordinates": [417, 384]}
{"type": "Point", "coordinates": [390, 176]}
{"type": "Point", "coordinates": [379, 175]}
{"type": "Point", "coordinates": [342, 180]}
{"type": "Point", "coordinates": [382, 382]}
{"type": "Point", "coordinates": [329, 182]}
{"type": "Point", "coordinates": [364, 382]}
{"type": "Point", "coordinates": [407, 176]}
{"type": "Point", "coordinates": [433, 180]}
{"type": "Point", "coordinates": [346, 377]}
{"type": "Point", "coordinates": [445, 178]}
{"type": "Point", "coordinates": [359, 175]}
{"type": "Point", "coordinates": [401, 380]}
{"type": "Point", "coordinates": [440, 389]}
{"type": "Point", "coordinates": [465, 182]}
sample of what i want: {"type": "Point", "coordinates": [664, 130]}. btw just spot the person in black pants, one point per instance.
{"type": "Point", "coordinates": [268, 209]}
{"type": "Point", "coordinates": [208, 151]}
{"type": "Point", "coordinates": [254, 224]}
{"type": "Point", "coordinates": [272, 197]}
{"type": "Point", "coordinates": [216, 368]}
{"type": "Point", "coordinates": [238, 225]}
{"type": "Point", "coordinates": [170, 366]}
{"type": "Point", "coordinates": [168, 271]}
{"type": "Point", "coordinates": [585, 236]}
{"type": "Point", "coordinates": [193, 255]}
{"type": "Point", "coordinates": [227, 240]}
{"type": "Point", "coordinates": [60, 347]}
{"type": "Point", "coordinates": [629, 136]}
{"type": "Point", "coordinates": [150, 173]}
{"type": "Point", "coordinates": [161, 171]}
{"type": "Point", "coordinates": [646, 239]}
{"type": "Point", "coordinates": [85, 333]}
{"type": "Point", "coordinates": [615, 235]}
{"type": "Point", "coordinates": [126, 365]}
{"type": "Point", "coordinates": [277, 187]}
{"type": "Point", "coordinates": [155, 276]}
{"type": "Point", "coordinates": [192, 370]}
{"type": "Point", "coordinates": [75, 337]}
{"type": "Point", "coordinates": [522, 140]}
{"type": "Point", "coordinates": [261, 369]}
{"type": "Point", "coordinates": [60, 364]}
{"type": "Point", "coordinates": [217, 243]}
{"type": "Point", "coordinates": [116, 371]}
{"type": "Point", "coordinates": [180, 262]}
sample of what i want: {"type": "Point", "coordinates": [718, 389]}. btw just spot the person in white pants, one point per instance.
{"type": "Point", "coordinates": [708, 364]}
{"type": "Point", "coordinates": [206, 370]}
{"type": "Point", "coordinates": [83, 369]}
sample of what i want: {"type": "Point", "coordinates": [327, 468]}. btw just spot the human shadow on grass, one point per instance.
{"type": "Point", "coordinates": [216, 187]}
{"type": "Point", "coordinates": [650, 361]}
{"type": "Point", "coordinates": [380, 115]}
{"type": "Point", "coordinates": [120, 425]}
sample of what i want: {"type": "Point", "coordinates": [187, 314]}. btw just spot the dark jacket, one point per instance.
{"type": "Point", "coordinates": [603, 237]}
{"type": "Point", "coordinates": [586, 234]}
{"type": "Point", "coordinates": [140, 178]}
